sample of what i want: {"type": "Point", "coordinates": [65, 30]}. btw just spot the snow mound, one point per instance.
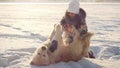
{"type": "Point", "coordinates": [110, 52]}
{"type": "Point", "coordinates": [14, 58]}
{"type": "Point", "coordinates": [84, 63]}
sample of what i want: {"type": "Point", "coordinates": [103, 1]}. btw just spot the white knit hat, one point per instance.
{"type": "Point", "coordinates": [73, 7]}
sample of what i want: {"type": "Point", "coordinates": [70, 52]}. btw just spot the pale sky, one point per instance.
{"type": "Point", "coordinates": [58, 0]}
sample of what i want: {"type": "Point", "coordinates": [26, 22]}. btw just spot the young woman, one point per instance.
{"type": "Point", "coordinates": [78, 20]}
{"type": "Point", "coordinates": [74, 16]}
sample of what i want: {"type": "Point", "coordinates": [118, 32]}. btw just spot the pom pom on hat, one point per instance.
{"type": "Point", "coordinates": [73, 7]}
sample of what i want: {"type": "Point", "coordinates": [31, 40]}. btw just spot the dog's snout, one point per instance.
{"type": "Point", "coordinates": [43, 48]}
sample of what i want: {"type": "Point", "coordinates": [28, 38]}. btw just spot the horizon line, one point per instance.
{"type": "Point", "coordinates": [57, 3]}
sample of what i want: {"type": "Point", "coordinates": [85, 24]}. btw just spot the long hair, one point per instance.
{"type": "Point", "coordinates": [78, 20]}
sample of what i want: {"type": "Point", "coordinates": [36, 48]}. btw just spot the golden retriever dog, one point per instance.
{"type": "Point", "coordinates": [70, 47]}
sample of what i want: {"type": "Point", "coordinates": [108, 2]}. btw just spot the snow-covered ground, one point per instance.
{"type": "Point", "coordinates": [23, 27]}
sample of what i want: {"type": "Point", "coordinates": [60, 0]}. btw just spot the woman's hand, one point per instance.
{"type": "Point", "coordinates": [83, 27]}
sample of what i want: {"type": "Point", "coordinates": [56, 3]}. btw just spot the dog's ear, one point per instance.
{"type": "Point", "coordinates": [44, 48]}
{"type": "Point", "coordinates": [31, 63]}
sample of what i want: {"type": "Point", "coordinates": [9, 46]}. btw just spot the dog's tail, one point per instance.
{"type": "Point", "coordinates": [89, 35]}
{"type": "Point", "coordinates": [86, 42]}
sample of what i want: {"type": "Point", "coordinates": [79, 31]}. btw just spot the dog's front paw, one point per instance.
{"type": "Point", "coordinates": [57, 27]}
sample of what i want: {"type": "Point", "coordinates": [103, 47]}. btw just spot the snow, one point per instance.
{"type": "Point", "coordinates": [23, 27]}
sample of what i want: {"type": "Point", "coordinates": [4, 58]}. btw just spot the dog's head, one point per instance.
{"type": "Point", "coordinates": [42, 52]}
{"type": "Point", "coordinates": [41, 56]}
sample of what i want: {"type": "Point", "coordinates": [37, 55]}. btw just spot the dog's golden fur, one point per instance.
{"type": "Point", "coordinates": [65, 51]}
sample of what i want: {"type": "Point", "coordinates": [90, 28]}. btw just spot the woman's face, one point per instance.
{"type": "Point", "coordinates": [72, 15]}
